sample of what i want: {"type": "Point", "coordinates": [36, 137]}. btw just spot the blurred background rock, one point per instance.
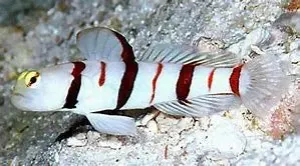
{"type": "Point", "coordinates": [23, 13]}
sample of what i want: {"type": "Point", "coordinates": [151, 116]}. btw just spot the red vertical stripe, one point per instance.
{"type": "Point", "coordinates": [131, 69]}
{"type": "Point", "coordinates": [127, 83]}
{"type": "Point", "coordinates": [184, 82]}
{"type": "Point", "coordinates": [102, 73]}
{"type": "Point", "coordinates": [158, 71]}
{"type": "Point", "coordinates": [127, 53]}
{"type": "Point", "coordinates": [210, 79]}
{"type": "Point", "coordinates": [235, 79]}
{"type": "Point", "coordinates": [71, 99]}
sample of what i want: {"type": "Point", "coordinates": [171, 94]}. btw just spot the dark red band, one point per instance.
{"type": "Point", "coordinates": [102, 74]}
{"type": "Point", "coordinates": [235, 79]}
{"type": "Point", "coordinates": [210, 79]}
{"type": "Point", "coordinates": [71, 99]}
{"type": "Point", "coordinates": [184, 82]}
{"type": "Point", "coordinates": [127, 83]}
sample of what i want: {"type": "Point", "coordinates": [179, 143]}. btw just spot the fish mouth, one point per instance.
{"type": "Point", "coordinates": [17, 94]}
{"type": "Point", "coordinates": [18, 100]}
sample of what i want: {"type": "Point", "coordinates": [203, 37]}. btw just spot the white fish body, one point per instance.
{"type": "Point", "coordinates": [142, 94]}
{"type": "Point", "coordinates": [175, 80]}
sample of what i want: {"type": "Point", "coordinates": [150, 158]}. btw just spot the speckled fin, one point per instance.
{"type": "Point", "coordinates": [200, 106]}
{"type": "Point", "coordinates": [268, 84]}
{"type": "Point", "coordinates": [104, 44]}
{"type": "Point", "coordinates": [167, 53]}
{"type": "Point", "coordinates": [112, 124]}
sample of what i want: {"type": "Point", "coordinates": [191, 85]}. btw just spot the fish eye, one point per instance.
{"type": "Point", "coordinates": [32, 78]}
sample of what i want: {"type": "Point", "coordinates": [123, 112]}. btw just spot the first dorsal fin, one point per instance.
{"type": "Point", "coordinates": [101, 43]}
{"type": "Point", "coordinates": [167, 53]}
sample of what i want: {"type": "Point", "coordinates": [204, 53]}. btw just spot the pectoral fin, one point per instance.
{"type": "Point", "coordinates": [112, 124]}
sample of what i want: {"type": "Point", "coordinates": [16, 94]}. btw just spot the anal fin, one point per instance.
{"type": "Point", "coordinates": [200, 106]}
{"type": "Point", "coordinates": [112, 124]}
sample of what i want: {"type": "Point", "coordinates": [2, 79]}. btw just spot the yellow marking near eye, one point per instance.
{"type": "Point", "coordinates": [31, 78]}
{"type": "Point", "coordinates": [22, 75]}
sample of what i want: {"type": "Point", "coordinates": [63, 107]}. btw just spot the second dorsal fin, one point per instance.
{"type": "Point", "coordinates": [101, 43]}
{"type": "Point", "coordinates": [167, 53]}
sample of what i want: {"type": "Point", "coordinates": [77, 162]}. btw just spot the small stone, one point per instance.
{"type": "Point", "coordinates": [209, 45]}
{"type": "Point", "coordinates": [295, 56]}
{"type": "Point", "coordinates": [145, 120]}
{"type": "Point", "coordinates": [56, 157]}
{"type": "Point", "coordinates": [152, 126]}
{"type": "Point", "coordinates": [81, 136]}
{"type": "Point", "coordinates": [225, 139]}
{"type": "Point", "coordinates": [76, 142]}
{"type": "Point", "coordinates": [110, 142]}
{"type": "Point", "coordinates": [205, 123]}
{"type": "Point", "coordinates": [93, 135]}
{"type": "Point", "coordinates": [257, 50]}
{"type": "Point", "coordinates": [257, 40]}
{"type": "Point", "coordinates": [166, 123]}
{"type": "Point", "coordinates": [295, 45]}
{"type": "Point", "coordinates": [185, 123]}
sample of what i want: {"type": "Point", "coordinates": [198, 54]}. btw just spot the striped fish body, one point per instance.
{"type": "Point", "coordinates": [177, 80]}
{"type": "Point", "coordinates": [116, 85]}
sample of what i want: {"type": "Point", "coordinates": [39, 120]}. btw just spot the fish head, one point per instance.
{"type": "Point", "coordinates": [38, 90]}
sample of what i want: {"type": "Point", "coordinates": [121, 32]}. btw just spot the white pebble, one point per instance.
{"type": "Point", "coordinates": [295, 57]}
{"type": "Point", "coordinates": [93, 135]}
{"type": "Point", "coordinates": [111, 142]}
{"type": "Point", "coordinates": [81, 136]}
{"type": "Point", "coordinates": [56, 157]}
{"type": "Point", "coordinates": [76, 142]}
{"type": "Point", "coordinates": [152, 126]}
{"type": "Point", "coordinates": [225, 139]}
{"type": "Point", "coordinates": [144, 121]}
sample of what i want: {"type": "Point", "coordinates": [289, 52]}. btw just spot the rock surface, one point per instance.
{"type": "Point", "coordinates": [231, 138]}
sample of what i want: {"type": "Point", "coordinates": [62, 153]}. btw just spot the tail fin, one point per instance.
{"type": "Point", "coordinates": [263, 84]}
